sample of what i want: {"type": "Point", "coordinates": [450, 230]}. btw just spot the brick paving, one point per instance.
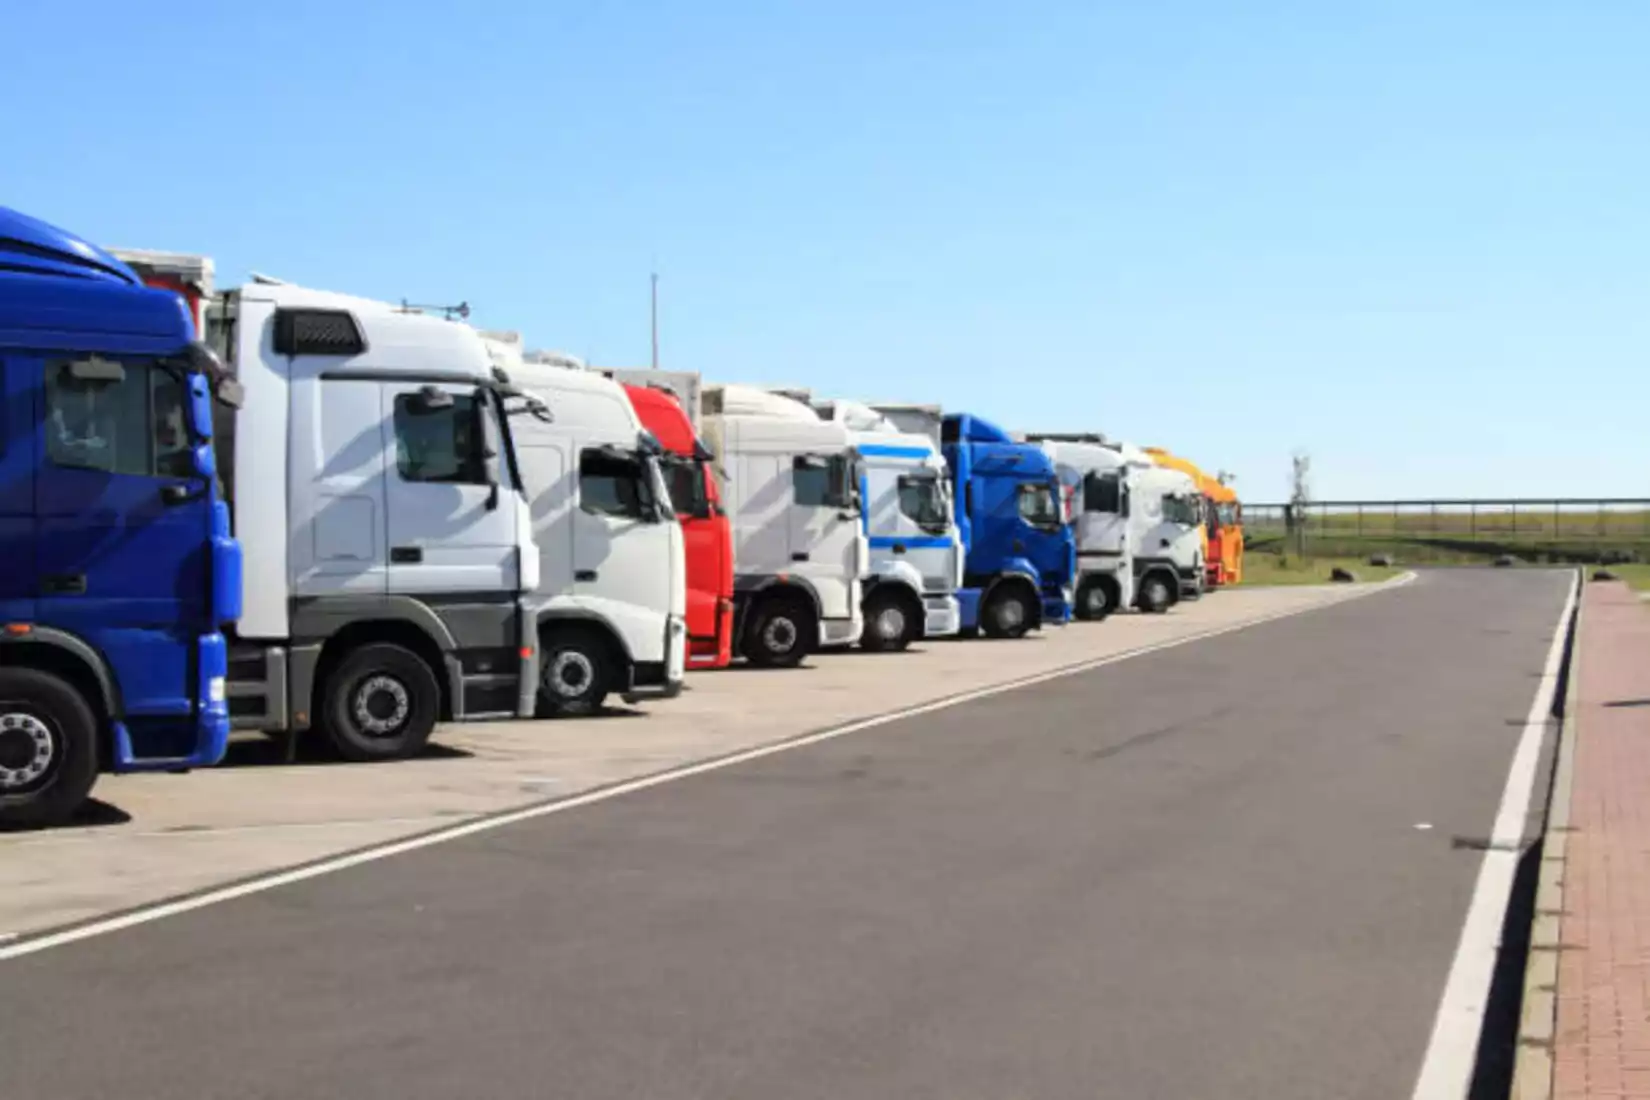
{"type": "Point", "coordinates": [1602, 1034]}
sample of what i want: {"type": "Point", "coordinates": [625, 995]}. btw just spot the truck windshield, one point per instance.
{"type": "Point", "coordinates": [922, 500]}
{"type": "Point", "coordinates": [1228, 514]}
{"type": "Point", "coordinates": [685, 478]}
{"type": "Point", "coordinates": [1040, 505]}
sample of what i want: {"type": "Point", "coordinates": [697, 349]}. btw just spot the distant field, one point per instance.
{"type": "Point", "coordinates": [1558, 526]}
{"type": "Point", "coordinates": [1636, 576]}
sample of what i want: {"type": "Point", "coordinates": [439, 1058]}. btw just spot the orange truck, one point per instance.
{"type": "Point", "coordinates": [1222, 529]}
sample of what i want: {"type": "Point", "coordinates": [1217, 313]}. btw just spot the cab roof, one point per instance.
{"type": "Point", "coordinates": [57, 291]}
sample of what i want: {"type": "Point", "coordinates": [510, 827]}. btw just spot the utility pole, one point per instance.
{"type": "Point", "coordinates": [654, 318]}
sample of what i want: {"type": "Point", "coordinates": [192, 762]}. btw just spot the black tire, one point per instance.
{"type": "Point", "coordinates": [48, 749]}
{"type": "Point", "coordinates": [782, 631]}
{"type": "Point", "coordinates": [576, 674]}
{"type": "Point", "coordinates": [1008, 613]}
{"type": "Point", "coordinates": [1096, 599]}
{"type": "Point", "coordinates": [892, 621]}
{"type": "Point", "coordinates": [380, 702]}
{"type": "Point", "coordinates": [1156, 594]}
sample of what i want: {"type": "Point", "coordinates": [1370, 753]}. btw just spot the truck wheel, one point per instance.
{"type": "Point", "coordinates": [381, 702]}
{"type": "Point", "coordinates": [1096, 599]}
{"type": "Point", "coordinates": [1155, 594]}
{"type": "Point", "coordinates": [577, 673]}
{"type": "Point", "coordinates": [782, 632]}
{"type": "Point", "coordinates": [1008, 613]}
{"type": "Point", "coordinates": [48, 749]}
{"type": "Point", "coordinates": [891, 623]}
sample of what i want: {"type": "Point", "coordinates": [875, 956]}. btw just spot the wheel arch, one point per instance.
{"type": "Point", "coordinates": [402, 632]}
{"type": "Point", "coordinates": [77, 662]}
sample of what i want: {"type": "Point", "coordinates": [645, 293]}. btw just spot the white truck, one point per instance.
{"type": "Point", "coordinates": [372, 478]}
{"type": "Point", "coordinates": [915, 553]}
{"type": "Point", "coordinates": [790, 484]}
{"type": "Point", "coordinates": [612, 594]}
{"type": "Point", "coordinates": [1165, 525]}
{"type": "Point", "coordinates": [1100, 483]}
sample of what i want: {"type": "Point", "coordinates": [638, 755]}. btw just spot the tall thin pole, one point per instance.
{"type": "Point", "coordinates": [654, 318]}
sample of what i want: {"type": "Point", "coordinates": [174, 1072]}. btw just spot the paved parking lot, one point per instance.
{"type": "Point", "coordinates": [158, 836]}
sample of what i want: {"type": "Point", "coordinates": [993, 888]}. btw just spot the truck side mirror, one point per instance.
{"type": "Point", "coordinates": [432, 399]}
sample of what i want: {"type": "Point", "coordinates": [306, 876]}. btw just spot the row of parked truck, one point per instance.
{"type": "Point", "coordinates": [282, 509]}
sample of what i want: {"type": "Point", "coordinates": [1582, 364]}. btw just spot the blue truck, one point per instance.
{"type": "Point", "coordinates": [117, 569]}
{"type": "Point", "coordinates": [1020, 554]}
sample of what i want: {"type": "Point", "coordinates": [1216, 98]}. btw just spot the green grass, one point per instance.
{"type": "Point", "coordinates": [1636, 576]}
{"type": "Point", "coordinates": [1270, 569]}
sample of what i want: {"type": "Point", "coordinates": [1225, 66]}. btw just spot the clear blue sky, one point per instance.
{"type": "Point", "coordinates": [1409, 237]}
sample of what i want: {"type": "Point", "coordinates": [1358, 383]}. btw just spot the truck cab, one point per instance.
{"type": "Point", "coordinates": [911, 528]}
{"type": "Point", "coordinates": [1099, 492]}
{"type": "Point", "coordinates": [1226, 534]}
{"type": "Point", "coordinates": [668, 404]}
{"type": "Point", "coordinates": [119, 572]}
{"type": "Point", "coordinates": [792, 486]}
{"type": "Point", "coordinates": [373, 481]}
{"type": "Point", "coordinates": [609, 609]}
{"type": "Point", "coordinates": [1211, 539]}
{"type": "Point", "coordinates": [1167, 532]}
{"type": "Point", "coordinates": [1020, 557]}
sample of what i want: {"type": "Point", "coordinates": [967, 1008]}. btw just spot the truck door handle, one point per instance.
{"type": "Point", "coordinates": [1162, 542]}
{"type": "Point", "coordinates": [406, 555]}
{"type": "Point", "coordinates": [64, 584]}
{"type": "Point", "coordinates": [173, 495]}
{"type": "Point", "coordinates": [585, 575]}
{"type": "Point", "coordinates": [899, 548]}
{"type": "Point", "coordinates": [800, 557]}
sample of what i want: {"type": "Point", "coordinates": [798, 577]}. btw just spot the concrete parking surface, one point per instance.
{"type": "Point", "coordinates": [1234, 868]}
{"type": "Point", "coordinates": [165, 835]}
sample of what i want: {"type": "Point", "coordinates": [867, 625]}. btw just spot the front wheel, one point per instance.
{"type": "Point", "coordinates": [1155, 594]}
{"type": "Point", "coordinates": [1008, 613]}
{"type": "Point", "coordinates": [1096, 599]}
{"type": "Point", "coordinates": [380, 703]}
{"type": "Point", "coordinates": [890, 625]}
{"type": "Point", "coordinates": [48, 749]}
{"type": "Point", "coordinates": [782, 632]}
{"type": "Point", "coordinates": [577, 673]}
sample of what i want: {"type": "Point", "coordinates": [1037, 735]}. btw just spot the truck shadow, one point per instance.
{"type": "Point", "coordinates": [92, 814]}
{"type": "Point", "coordinates": [271, 752]}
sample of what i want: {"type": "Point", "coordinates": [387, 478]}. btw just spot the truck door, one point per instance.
{"type": "Point", "coordinates": [124, 524]}
{"type": "Point", "coordinates": [450, 522]}
{"type": "Point", "coordinates": [825, 529]}
{"type": "Point", "coordinates": [621, 534]}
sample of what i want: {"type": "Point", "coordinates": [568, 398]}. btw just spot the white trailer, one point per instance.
{"type": "Point", "coordinates": [387, 544]}
{"type": "Point", "coordinates": [790, 484]}
{"type": "Point", "coordinates": [610, 607]}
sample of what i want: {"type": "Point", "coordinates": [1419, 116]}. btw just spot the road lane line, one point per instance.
{"type": "Point", "coordinates": [1452, 1050]}
{"type": "Point", "coordinates": [257, 884]}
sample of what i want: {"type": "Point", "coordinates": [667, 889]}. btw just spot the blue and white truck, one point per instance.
{"type": "Point", "coordinates": [1020, 556]}
{"type": "Point", "coordinates": [117, 569]}
{"type": "Point", "coordinates": [911, 527]}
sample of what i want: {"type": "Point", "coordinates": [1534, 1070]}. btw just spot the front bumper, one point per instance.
{"type": "Point", "coordinates": [1191, 583]}
{"type": "Point", "coordinates": [1057, 605]}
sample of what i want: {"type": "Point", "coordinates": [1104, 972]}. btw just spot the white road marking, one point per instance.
{"type": "Point", "coordinates": [257, 885]}
{"type": "Point", "coordinates": [1452, 1051]}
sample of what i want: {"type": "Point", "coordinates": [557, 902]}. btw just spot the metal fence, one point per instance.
{"type": "Point", "coordinates": [1590, 521]}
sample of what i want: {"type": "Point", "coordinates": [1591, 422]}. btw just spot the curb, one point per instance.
{"type": "Point", "coordinates": [1538, 1014]}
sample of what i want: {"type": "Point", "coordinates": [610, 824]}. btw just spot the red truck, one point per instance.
{"type": "Point", "coordinates": [667, 403]}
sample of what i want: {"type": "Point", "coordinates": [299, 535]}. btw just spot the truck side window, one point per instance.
{"type": "Point", "coordinates": [610, 485]}
{"type": "Point", "coordinates": [445, 445]}
{"type": "Point", "coordinates": [1102, 493]}
{"type": "Point", "coordinates": [810, 477]}
{"type": "Point", "coordinates": [137, 426]}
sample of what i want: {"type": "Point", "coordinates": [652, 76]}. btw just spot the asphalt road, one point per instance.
{"type": "Point", "coordinates": [1196, 873]}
